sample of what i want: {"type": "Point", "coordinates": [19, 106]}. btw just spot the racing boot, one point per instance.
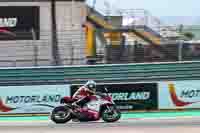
{"type": "Point", "coordinates": [75, 120]}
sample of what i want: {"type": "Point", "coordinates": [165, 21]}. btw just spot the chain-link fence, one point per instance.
{"type": "Point", "coordinates": [152, 53]}
{"type": "Point", "coordinates": [72, 51]}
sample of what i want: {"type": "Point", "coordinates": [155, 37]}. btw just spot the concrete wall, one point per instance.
{"type": "Point", "coordinates": [71, 38]}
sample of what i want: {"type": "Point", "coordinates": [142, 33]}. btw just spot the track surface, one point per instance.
{"type": "Point", "coordinates": [170, 125]}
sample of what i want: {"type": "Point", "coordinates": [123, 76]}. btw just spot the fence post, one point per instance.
{"type": "Point", "coordinates": [180, 48]}
{"type": "Point", "coordinates": [55, 49]}
{"type": "Point", "coordinates": [35, 48]}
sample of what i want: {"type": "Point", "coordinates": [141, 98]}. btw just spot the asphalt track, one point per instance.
{"type": "Point", "coordinates": [134, 125]}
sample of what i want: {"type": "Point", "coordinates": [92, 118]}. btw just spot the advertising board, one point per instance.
{"type": "Point", "coordinates": [179, 94]}
{"type": "Point", "coordinates": [130, 97]}
{"type": "Point", "coordinates": [19, 23]}
{"type": "Point", "coordinates": [31, 99]}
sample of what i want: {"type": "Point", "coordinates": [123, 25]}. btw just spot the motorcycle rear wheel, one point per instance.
{"type": "Point", "coordinates": [61, 115]}
{"type": "Point", "coordinates": [112, 116]}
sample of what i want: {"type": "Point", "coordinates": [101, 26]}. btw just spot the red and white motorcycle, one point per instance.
{"type": "Point", "coordinates": [100, 106]}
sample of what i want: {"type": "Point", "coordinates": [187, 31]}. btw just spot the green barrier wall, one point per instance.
{"type": "Point", "coordinates": [102, 73]}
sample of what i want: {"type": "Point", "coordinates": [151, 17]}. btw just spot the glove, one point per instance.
{"type": "Point", "coordinates": [62, 100]}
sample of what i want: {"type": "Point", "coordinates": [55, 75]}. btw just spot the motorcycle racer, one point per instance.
{"type": "Point", "coordinates": [83, 93]}
{"type": "Point", "coordinates": [100, 105]}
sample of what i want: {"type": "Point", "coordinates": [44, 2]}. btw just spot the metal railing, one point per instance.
{"type": "Point", "coordinates": [150, 53]}
{"type": "Point", "coordinates": [72, 51]}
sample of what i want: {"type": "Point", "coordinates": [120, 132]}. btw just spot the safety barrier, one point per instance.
{"type": "Point", "coordinates": [143, 96]}
{"type": "Point", "coordinates": [133, 72]}
{"type": "Point", "coordinates": [102, 73]}
{"type": "Point", "coordinates": [132, 86]}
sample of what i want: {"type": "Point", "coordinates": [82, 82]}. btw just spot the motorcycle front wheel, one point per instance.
{"type": "Point", "coordinates": [61, 115]}
{"type": "Point", "coordinates": [111, 114]}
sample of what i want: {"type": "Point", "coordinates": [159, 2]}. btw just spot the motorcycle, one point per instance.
{"type": "Point", "coordinates": [101, 106]}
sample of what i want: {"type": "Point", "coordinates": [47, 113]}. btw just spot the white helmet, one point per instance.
{"type": "Point", "coordinates": [91, 85]}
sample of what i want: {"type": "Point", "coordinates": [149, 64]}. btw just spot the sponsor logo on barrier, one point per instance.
{"type": "Point", "coordinates": [184, 93]}
{"type": "Point", "coordinates": [131, 96]}
{"type": "Point", "coordinates": [179, 94]}
{"type": "Point", "coordinates": [5, 108]}
{"type": "Point", "coordinates": [31, 99]}
{"type": "Point", "coordinates": [190, 93]}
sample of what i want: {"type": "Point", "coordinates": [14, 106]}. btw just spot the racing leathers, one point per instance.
{"type": "Point", "coordinates": [82, 96]}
